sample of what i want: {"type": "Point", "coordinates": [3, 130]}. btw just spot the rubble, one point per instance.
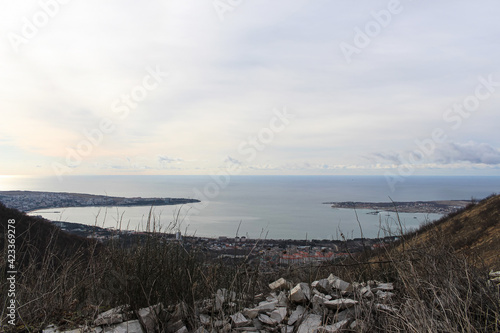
{"type": "Point", "coordinates": [327, 305]}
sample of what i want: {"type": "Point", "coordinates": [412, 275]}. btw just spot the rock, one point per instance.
{"type": "Point", "coordinates": [113, 316]}
{"type": "Point", "coordinates": [205, 320]}
{"type": "Point", "coordinates": [279, 314]}
{"type": "Point", "coordinates": [337, 327]}
{"type": "Point", "coordinates": [349, 313]}
{"type": "Point", "coordinates": [384, 295]}
{"type": "Point", "coordinates": [287, 329]}
{"type": "Point", "coordinates": [366, 292]}
{"type": "Point", "coordinates": [296, 315]}
{"type": "Point", "coordinates": [301, 293]}
{"type": "Point", "coordinates": [51, 329]}
{"type": "Point", "coordinates": [340, 304]}
{"type": "Point", "coordinates": [257, 324]}
{"type": "Point", "coordinates": [322, 285]}
{"type": "Point", "coordinates": [280, 284]}
{"type": "Point", "coordinates": [494, 274]}
{"type": "Point", "coordinates": [132, 326]}
{"type": "Point", "coordinates": [251, 313]}
{"type": "Point", "coordinates": [310, 324]}
{"type": "Point", "coordinates": [240, 320]}
{"type": "Point", "coordinates": [383, 287]}
{"type": "Point", "coordinates": [282, 299]}
{"type": "Point", "coordinates": [267, 306]}
{"type": "Point", "coordinates": [265, 319]}
{"type": "Point", "coordinates": [384, 307]}
{"type": "Point", "coordinates": [149, 317]}
{"type": "Point", "coordinates": [223, 296]}
{"type": "Point", "coordinates": [337, 283]}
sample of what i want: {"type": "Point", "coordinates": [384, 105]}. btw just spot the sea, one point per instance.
{"type": "Point", "coordinates": [257, 207]}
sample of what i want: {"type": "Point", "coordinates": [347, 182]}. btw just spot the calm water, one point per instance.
{"type": "Point", "coordinates": [273, 206]}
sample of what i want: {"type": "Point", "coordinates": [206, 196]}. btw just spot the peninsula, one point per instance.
{"type": "Point", "coordinates": [31, 200]}
{"type": "Point", "coordinates": [428, 207]}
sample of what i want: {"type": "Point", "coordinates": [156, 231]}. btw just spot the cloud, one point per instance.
{"type": "Point", "coordinates": [229, 159]}
{"type": "Point", "coordinates": [163, 159]}
{"type": "Point", "coordinates": [477, 153]}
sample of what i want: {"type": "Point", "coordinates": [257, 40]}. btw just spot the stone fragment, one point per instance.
{"type": "Point", "coordinates": [310, 324]}
{"type": "Point", "coordinates": [384, 295]}
{"type": "Point", "coordinates": [149, 317]}
{"type": "Point", "coordinates": [349, 313]}
{"type": "Point", "coordinates": [240, 320]}
{"type": "Point", "coordinates": [339, 284]}
{"type": "Point", "coordinates": [279, 314]}
{"type": "Point", "coordinates": [282, 299]}
{"type": "Point", "coordinates": [265, 319]}
{"type": "Point", "coordinates": [287, 329]}
{"type": "Point", "coordinates": [280, 284]}
{"type": "Point", "coordinates": [183, 329]}
{"type": "Point", "coordinates": [340, 304]}
{"type": "Point", "coordinates": [132, 326]}
{"type": "Point", "coordinates": [251, 313]}
{"type": "Point", "coordinates": [204, 319]}
{"type": "Point", "coordinates": [296, 315]}
{"type": "Point", "coordinates": [337, 327]}
{"type": "Point", "coordinates": [494, 274]}
{"type": "Point", "coordinates": [383, 287]}
{"type": "Point", "coordinates": [110, 317]}
{"type": "Point", "coordinates": [384, 307]}
{"type": "Point", "coordinates": [366, 292]}
{"type": "Point", "coordinates": [267, 306]}
{"type": "Point", "coordinates": [301, 293]}
{"type": "Point", "coordinates": [322, 285]}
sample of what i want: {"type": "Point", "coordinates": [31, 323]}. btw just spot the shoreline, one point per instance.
{"type": "Point", "coordinates": [427, 207]}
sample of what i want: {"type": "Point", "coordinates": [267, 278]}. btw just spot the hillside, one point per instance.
{"type": "Point", "coordinates": [473, 232]}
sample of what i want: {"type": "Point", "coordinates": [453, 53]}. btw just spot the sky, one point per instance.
{"type": "Point", "coordinates": [258, 87]}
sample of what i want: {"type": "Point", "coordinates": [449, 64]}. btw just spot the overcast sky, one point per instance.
{"type": "Point", "coordinates": [272, 87]}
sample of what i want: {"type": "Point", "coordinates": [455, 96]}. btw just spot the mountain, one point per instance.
{"type": "Point", "coordinates": [473, 231]}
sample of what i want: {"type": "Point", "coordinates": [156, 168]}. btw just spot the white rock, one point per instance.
{"type": "Point", "coordinates": [384, 287]}
{"type": "Point", "coordinates": [201, 330]}
{"type": "Point", "coordinates": [279, 314]}
{"type": "Point", "coordinates": [267, 320]}
{"type": "Point", "coordinates": [183, 329]}
{"type": "Point", "coordinates": [51, 329]}
{"type": "Point", "coordinates": [240, 320]}
{"type": "Point", "coordinates": [339, 284]}
{"type": "Point", "coordinates": [495, 274]}
{"type": "Point", "coordinates": [384, 295]}
{"type": "Point", "coordinates": [132, 326]}
{"type": "Point", "coordinates": [282, 299]}
{"type": "Point", "coordinates": [267, 306]}
{"type": "Point", "coordinates": [340, 304]}
{"type": "Point", "coordinates": [204, 319]}
{"type": "Point", "coordinates": [384, 307]}
{"type": "Point", "coordinates": [110, 317]}
{"type": "Point", "coordinates": [310, 324]}
{"type": "Point", "coordinates": [149, 316]}
{"type": "Point", "coordinates": [337, 327]}
{"type": "Point", "coordinates": [279, 284]}
{"type": "Point", "coordinates": [287, 329]}
{"type": "Point", "coordinates": [300, 293]}
{"type": "Point", "coordinates": [251, 313]}
{"type": "Point", "coordinates": [296, 315]}
{"type": "Point", "coordinates": [322, 285]}
{"type": "Point", "coordinates": [366, 292]}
